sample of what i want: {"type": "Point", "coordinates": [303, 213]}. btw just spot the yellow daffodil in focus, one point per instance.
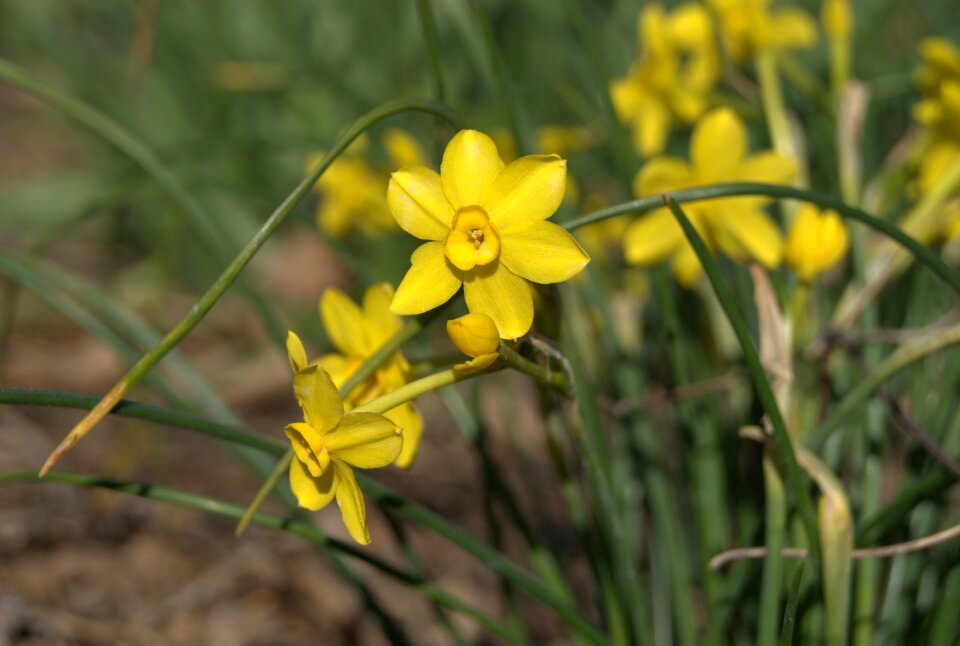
{"type": "Point", "coordinates": [750, 26]}
{"type": "Point", "coordinates": [672, 79]}
{"type": "Point", "coordinates": [738, 227]}
{"type": "Point", "coordinates": [356, 332]}
{"type": "Point", "coordinates": [486, 227]}
{"type": "Point", "coordinates": [816, 242]}
{"type": "Point", "coordinates": [328, 442]}
{"type": "Point", "coordinates": [476, 336]}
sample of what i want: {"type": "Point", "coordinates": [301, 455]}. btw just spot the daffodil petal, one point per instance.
{"type": "Point", "coordinates": [307, 444]}
{"type": "Point", "coordinates": [794, 28]}
{"type": "Point", "coordinates": [542, 252]}
{"type": "Point", "coordinates": [499, 293]}
{"type": "Point", "coordinates": [718, 144]}
{"type": "Point", "coordinates": [662, 175]}
{"type": "Point", "coordinates": [344, 323]}
{"type": "Point", "coordinates": [365, 440]}
{"type": "Point", "coordinates": [686, 266]}
{"type": "Point", "coordinates": [476, 364]}
{"type": "Point", "coordinates": [416, 199]}
{"type": "Point", "coordinates": [651, 125]}
{"type": "Point", "coordinates": [312, 493]}
{"type": "Point", "coordinates": [767, 166]}
{"type": "Point", "coordinates": [337, 366]}
{"type": "Point", "coordinates": [295, 352]}
{"type": "Point", "coordinates": [651, 238]}
{"type": "Point", "coordinates": [429, 282]}
{"type": "Point", "coordinates": [749, 234]}
{"type": "Point", "coordinates": [318, 398]}
{"type": "Point", "coordinates": [470, 165]}
{"type": "Point", "coordinates": [381, 322]}
{"type": "Point", "coordinates": [350, 499]}
{"type": "Point", "coordinates": [408, 418]}
{"type": "Point", "coordinates": [527, 190]}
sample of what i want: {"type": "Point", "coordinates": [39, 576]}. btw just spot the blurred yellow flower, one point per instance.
{"type": "Point", "coordinates": [672, 79]}
{"type": "Point", "coordinates": [737, 226]}
{"type": "Point", "coordinates": [816, 242]}
{"type": "Point", "coordinates": [749, 26]}
{"type": "Point", "coordinates": [938, 78]}
{"type": "Point", "coordinates": [486, 229]}
{"type": "Point", "coordinates": [476, 336]}
{"type": "Point", "coordinates": [327, 443]}
{"type": "Point", "coordinates": [356, 334]}
{"type": "Point", "coordinates": [352, 191]}
{"type": "Point", "coordinates": [837, 19]}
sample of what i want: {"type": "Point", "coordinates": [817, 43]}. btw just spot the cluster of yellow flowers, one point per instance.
{"type": "Point", "coordinates": [485, 227]}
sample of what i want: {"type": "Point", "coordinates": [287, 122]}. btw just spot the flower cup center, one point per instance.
{"type": "Point", "coordinates": [473, 239]}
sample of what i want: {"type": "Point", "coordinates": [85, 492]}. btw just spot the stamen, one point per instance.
{"type": "Point", "coordinates": [476, 236]}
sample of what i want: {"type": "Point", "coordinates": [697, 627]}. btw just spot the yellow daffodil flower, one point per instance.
{"type": "Point", "coordinates": [328, 442]}
{"type": "Point", "coordinates": [356, 333]}
{"type": "Point", "coordinates": [737, 226]}
{"type": "Point", "coordinates": [817, 241]}
{"type": "Point", "coordinates": [749, 26]}
{"type": "Point", "coordinates": [351, 190]}
{"type": "Point", "coordinates": [476, 336]}
{"type": "Point", "coordinates": [485, 223]}
{"type": "Point", "coordinates": [672, 79]}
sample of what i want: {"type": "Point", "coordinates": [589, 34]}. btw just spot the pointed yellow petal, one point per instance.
{"type": "Point", "coordinates": [793, 28]}
{"type": "Point", "coordinates": [652, 237]}
{"type": "Point", "coordinates": [541, 252]}
{"type": "Point", "coordinates": [651, 125]}
{"type": "Point", "coordinates": [718, 145]}
{"type": "Point", "coordinates": [767, 166]}
{"type": "Point", "coordinates": [307, 444]}
{"type": "Point", "coordinates": [527, 190]}
{"type": "Point", "coordinates": [470, 165]}
{"type": "Point", "coordinates": [749, 234]}
{"type": "Point", "coordinates": [499, 293]}
{"type": "Point", "coordinates": [337, 366]}
{"type": "Point", "coordinates": [350, 499]}
{"type": "Point", "coordinates": [318, 398]}
{"type": "Point", "coordinates": [662, 175]}
{"type": "Point", "coordinates": [416, 199]}
{"type": "Point", "coordinates": [365, 440]}
{"type": "Point", "coordinates": [381, 322]}
{"type": "Point", "coordinates": [312, 493]}
{"type": "Point", "coordinates": [295, 352]}
{"type": "Point", "coordinates": [686, 266]}
{"type": "Point", "coordinates": [429, 282]}
{"type": "Point", "coordinates": [344, 323]}
{"type": "Point", "coordinates": [408, 418]}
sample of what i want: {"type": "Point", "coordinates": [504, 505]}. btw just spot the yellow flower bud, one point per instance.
{"type": "Point", "coordinates": [837, 19]}
{"type": "Point", "coordinates": [817, 241]}
{"type": "Point", "coordinates": [474, 334]}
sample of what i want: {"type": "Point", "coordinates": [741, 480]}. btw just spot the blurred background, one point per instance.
{"type": "Point", "coordinates": [234, 98]}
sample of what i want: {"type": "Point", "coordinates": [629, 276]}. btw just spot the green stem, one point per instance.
{"type": "Point", "coordinates": [775, 109]}
{"type": "Point", "coordinates": [896, 361]}
{"type": "Point", "coordinates": [230, 274]}
{"type": "Point", "coordinates": [429, 26]}
{"type": "Point", "coordinates": [293, 526]}
{"type": "Point", "coordinates": [776, 522]}
{"type": "Point", "coordinates": [413, 390]}
{"type": "Point", "coordinates": [555, 380]}
{"type": "Point", "coordinates": [921, 252]}
{"type": "Point", "coordinates": [278, 472]}
{"type": "Point", "coordinates": [760, 380]}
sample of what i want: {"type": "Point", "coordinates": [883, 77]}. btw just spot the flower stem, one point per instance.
{"type": "Point", "coordinates": [230, 274]}
{"type": "Point", "coordinates": [556, 380]}
{"type": "Point", "coordinates": [413, 390]}
{"type": "Point", "coordinates": [775, 109]}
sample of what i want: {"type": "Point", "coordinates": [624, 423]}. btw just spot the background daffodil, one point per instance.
{"type": "Point", "coordinates": [737, 226]}
{"type": "Point", "coordinates": [357, 332]}
{"type": "Point", "coordinates": [485, 223]}
{"type": "Point", "coordinates": [672, 80]}
{"type": "Point", "coordinates": [816, 242]}
{"type": "Point", "coordinates": [327, 443]}
{"type": "Point", "coordinates": [750, 26]}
